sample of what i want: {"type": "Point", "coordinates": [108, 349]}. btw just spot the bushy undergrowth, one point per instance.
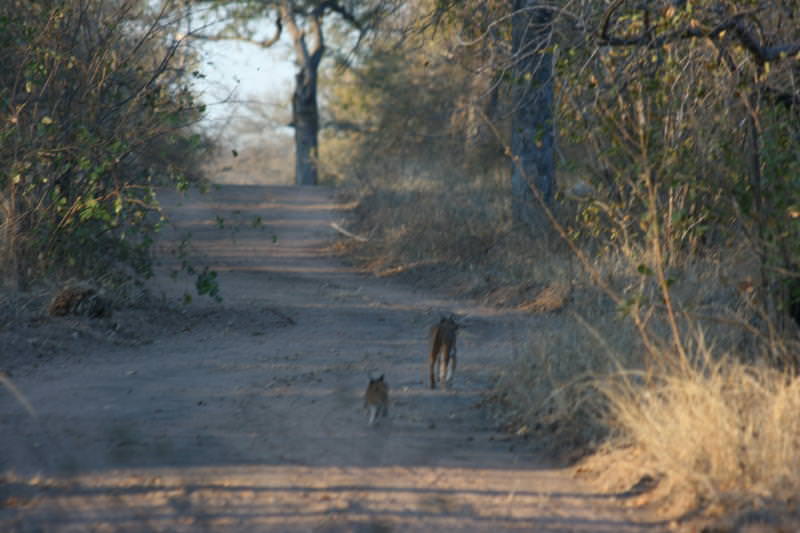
{"type": "Point", "coordinates": [96, 112]}
{"type": "Point", "coordinates": [266, 161]}
{"type": "Point", "coordinates": [712, 423]}
{"type": "Point", "coordinates": [427, 218]}
{"type": "Point", "coordinates": [717, 427]}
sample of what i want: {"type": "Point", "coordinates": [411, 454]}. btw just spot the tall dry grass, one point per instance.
{"type": "Point", "coordinates": [724, 430]}
{"type": "Point", "coordinates": [426, 214]}
{"type": "Point", "coordinates": [444, 219]}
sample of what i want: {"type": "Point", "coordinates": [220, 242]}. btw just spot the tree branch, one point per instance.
{"type": "Point", "coordinates": [266, 43]}
{"type": "Point", "coordinates": [763, 54]}
{"type": "Point", "coordinates": [334, 6]}
{"type": "Point", "coordinates": [319, 44]}
{"type": "Point", "coordinates": [298, 36]}
{"type": "Point", "coordinates": [736, 24]}
{"type": "Point", "coordinates": [789, 100]}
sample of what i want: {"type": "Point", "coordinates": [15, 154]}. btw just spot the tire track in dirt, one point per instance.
{"type": "Point", "coordinates": [252, 419]}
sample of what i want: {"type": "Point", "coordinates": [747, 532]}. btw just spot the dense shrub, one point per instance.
{"type": "Point", "coordinates": [95, 113]}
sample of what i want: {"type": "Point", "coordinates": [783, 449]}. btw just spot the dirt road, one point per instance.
{"type": "Point", "coordinates": [249, 417]}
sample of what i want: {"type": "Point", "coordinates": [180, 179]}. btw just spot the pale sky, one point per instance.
{"type": "Point", "coordinates": [241, 71]}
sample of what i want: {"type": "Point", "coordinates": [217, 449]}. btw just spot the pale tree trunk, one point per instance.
{"type": "Point", "coordinates": [305, 112]}
{"type": "Point", "coordinates": [533, 129]}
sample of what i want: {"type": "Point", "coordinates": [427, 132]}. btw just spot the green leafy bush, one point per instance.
{"type": "Point", "coordinates": [94, 115]}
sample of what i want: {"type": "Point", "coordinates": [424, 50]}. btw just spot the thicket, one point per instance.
{"type": "Point", "coordinates": [675, 226]}
{"type": "Point", "coordinates": [96, 111]}
{"type": "Point", "coordinates": [402, 132]}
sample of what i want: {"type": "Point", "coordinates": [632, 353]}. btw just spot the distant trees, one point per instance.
{"type": "Point", "coordinates": [305, 21]}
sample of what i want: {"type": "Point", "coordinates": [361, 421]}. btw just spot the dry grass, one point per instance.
{"type": "Point", "coordinates": [550, 391]}
{"type": "Point", "coordinates": [716, 427]}
{"type": "Point", "coordinates": [265, 162]}
{"type": "Point", "coordinates": [450, 224]}
{"type": "Point", "coordinates": [718, 432]}
{"type": "Point", "coordinates": [419, 215]}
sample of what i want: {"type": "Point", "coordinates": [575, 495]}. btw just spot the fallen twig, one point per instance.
{"type": "Point", "coordinates": [343, 231]}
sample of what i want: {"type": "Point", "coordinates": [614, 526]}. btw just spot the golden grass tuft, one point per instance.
{"type": "Point", "coordinates": [718, 428]}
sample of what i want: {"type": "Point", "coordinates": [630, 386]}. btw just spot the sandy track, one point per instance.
{"type": "Point", "coordinates": [251, 419]}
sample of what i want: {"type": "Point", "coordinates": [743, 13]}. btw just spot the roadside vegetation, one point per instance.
{"type": "Point", "coordinates": [672, 243]}
{"type": "Point", "coordinates": [97, 111]}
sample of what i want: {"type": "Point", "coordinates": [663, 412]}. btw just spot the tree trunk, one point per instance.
{"type": "Point", "coordinates": [305, 118]}
{"type": "Point", "coordinates": [533, 129]}
{"type": "Point", "coordinates": [305, 113]}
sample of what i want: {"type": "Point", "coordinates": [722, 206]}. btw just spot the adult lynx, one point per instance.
{"type": "Point", "coordinates": [443, 340]}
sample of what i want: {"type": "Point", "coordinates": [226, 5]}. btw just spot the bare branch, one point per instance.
{"type": "Point", "coordinates": [763, 54]}
{"type": "Point", "coordinates": [319, 44]}
{"type": "Point", "coordinates": [298, 35]}
{"type": "Point", "coordinates": [334, 6]}
{"type": "Point", "coordinates": [736, 24]}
